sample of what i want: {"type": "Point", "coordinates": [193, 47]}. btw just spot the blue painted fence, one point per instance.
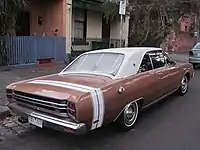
{"type": "Point", "coordinates": [28, 49]}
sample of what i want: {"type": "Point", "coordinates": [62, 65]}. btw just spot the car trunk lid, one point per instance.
{"type": "Point", "coordinates": [69, 87]}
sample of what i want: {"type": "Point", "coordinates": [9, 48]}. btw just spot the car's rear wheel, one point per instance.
{"type": "Point", "coordinates": [129, 116]}
{"type": "Point", "coordinates": [183, 86]}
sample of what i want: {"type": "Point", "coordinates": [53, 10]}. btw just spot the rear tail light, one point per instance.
{"type": "Point", "coordinates": [71, 109]}
{"type": "Point", "coordinates": [191, 53]}
{"type": "Point", "coordinates": [9, 93]}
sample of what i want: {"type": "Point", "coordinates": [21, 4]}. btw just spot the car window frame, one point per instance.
{"type": "Point", "coordinates": [170, 60]}
{"type": "Point", "coordinates": [196, 46]}
{"type": "Point", "coordinates": [146, 54]}
{"type": "Point", "coordinates": [159, 51]}
{"type": "Point", "coordinates": [64, 71]}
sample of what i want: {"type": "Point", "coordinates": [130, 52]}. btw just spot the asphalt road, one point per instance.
{"type": "Point", "coordinates": [173, 124]}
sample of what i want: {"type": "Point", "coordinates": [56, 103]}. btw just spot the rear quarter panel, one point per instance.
{"type": "Point", "coordinates": [185, 68]}
{"type": "Point", "coordinates": [84, 109]}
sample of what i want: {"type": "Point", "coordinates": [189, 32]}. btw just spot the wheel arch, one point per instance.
{"type": "Point", "coordinates": [187, 74]}
{"type": "Point", "coordinates": [139, 102]}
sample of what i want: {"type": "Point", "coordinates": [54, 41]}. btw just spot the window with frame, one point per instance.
{"type": "Point", "coordinates": [197, 46]}
{"type": "Point", "coordinates": [79, 25]}
{"type": "Point", "coordinates": [107, 63]}
{"type": "Point", "coordinates": [167, 59]}
{"type": "Point", "coordinates": [158, 59]}
{"type": "Point", "coordinates": [146, 64]}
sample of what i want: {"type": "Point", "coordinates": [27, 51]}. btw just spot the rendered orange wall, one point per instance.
{"type": "Point", "coordinates": [51, 12]}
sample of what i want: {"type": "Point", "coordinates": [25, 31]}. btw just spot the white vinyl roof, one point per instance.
{"type": "Point", "coordinates": [132, 60]}
{"type": "Point", "coordinates": [127, 50]}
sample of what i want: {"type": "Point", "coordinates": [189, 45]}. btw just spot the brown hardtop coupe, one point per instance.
{"type": "Point", "coordinates": [98, 88]}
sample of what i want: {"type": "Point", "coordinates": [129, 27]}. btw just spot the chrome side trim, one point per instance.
{"type": "Point", "coordinates": [159, 99]}
{"type": "Point", "coordinates": [57, 121]}
{"type": "Point", "coordinates": [141, 98]}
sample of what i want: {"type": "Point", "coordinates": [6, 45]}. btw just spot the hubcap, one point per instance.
{"type": "Point", "coordinates": [130, 114]}
{"type": "Point", "coordinates": [184, 85]}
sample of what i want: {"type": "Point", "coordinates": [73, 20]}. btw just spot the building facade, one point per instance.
{"type": "Point", "coordinates": [80, 21]}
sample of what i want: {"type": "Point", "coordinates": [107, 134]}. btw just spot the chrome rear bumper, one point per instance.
{"type": "Point", "coordinates": [52, 122]}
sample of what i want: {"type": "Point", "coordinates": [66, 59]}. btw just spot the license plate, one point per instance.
{"type": "Point", "coordinates": [35, 121]}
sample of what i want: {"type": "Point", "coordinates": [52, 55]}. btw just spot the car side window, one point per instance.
{"type": "Point", "coordinates": [158, 59]}
{"type": "Point", "coordinates": [167, 59]}
{"type": "Point", "coordinates": [146, 64]}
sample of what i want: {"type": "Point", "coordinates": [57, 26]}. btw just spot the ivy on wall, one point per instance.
{"type": "Point", "coordinates": [8, 14]}
{"type": "Point", "coordinates": [151, 21]}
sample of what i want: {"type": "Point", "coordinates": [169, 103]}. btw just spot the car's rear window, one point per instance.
{"type": "Point", "coordinates": [107, 63]}
{"type": "Point", "coordinates": [197, 46]}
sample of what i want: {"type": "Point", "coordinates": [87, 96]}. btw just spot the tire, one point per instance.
{"type": "Point", "coordinates": [183, 89]}
{"type": "Point", "coordinates": [194, 65]}
{"type": "Point", "coordinates": [128, 117]}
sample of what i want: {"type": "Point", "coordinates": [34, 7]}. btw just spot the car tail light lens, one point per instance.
{"type": "Point", "coordinates": [71, 109]}
{"type": "Point", "coordinates": [191, 53]}
{"type": "Point", "coordinates": [9, 93]}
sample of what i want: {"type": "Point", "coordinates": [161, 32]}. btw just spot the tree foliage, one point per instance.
{"type": "Point", "coordinates": [8, 14]}
{"type": "Point", "coordinates": [152, 20]}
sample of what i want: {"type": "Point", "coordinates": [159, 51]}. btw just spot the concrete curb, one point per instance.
{"type": "Point", "coordinates": [4, 112]}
